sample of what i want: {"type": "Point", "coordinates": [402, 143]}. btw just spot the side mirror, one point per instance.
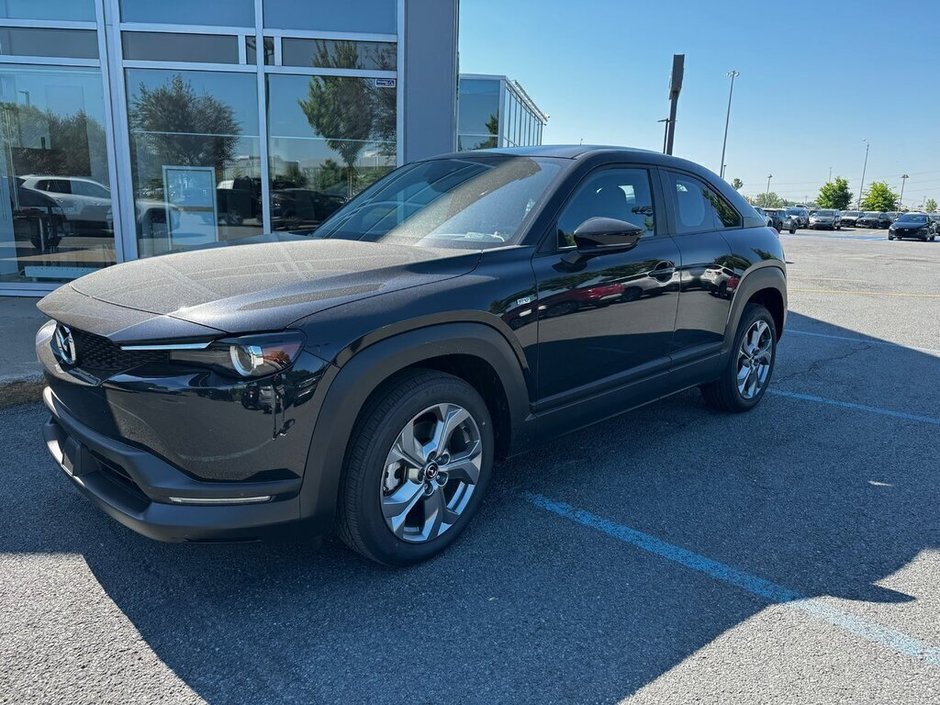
{"type": "Point", "coordinates": [597, 235]}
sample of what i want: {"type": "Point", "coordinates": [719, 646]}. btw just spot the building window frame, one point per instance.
{"type": "Point", "coordinates": [112, 65]}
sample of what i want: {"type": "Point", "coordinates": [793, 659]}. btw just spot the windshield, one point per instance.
{"type": "Point", "coordinates": [912, 218]}
{"type": "Point", "coordinates": [468, 203]}
{"type": "Point", "coordinates": [794, 211]}
{"type": "Point", "coordinates": [872, 214]}
{"type": "Point", "coordinates": [855, 213]}
{"type": "Point", "coordinates": [826, 213]}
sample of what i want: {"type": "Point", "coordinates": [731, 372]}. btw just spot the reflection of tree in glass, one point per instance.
{"type": "Point", "coordinates": [44, 142]}
{"type": "Point", "coordinates": [183, 128]}
{"type": "Point", "coordinates": [348, 112]}
{"type": "Point", "coordinates": [492, 126]}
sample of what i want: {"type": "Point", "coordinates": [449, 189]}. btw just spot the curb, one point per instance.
{"type": "Point", "coordinates": [26, 389]}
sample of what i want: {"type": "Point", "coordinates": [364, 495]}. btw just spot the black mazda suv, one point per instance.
{"type": "Point", "coordinates": [364, 377]}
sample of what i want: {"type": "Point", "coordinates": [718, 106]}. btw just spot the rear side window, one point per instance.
{"type": "Point", "coordinates": [698, 206]}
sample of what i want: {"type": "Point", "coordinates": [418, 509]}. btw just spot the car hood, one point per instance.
{"type": "Point", "coordinates": [244, 288]}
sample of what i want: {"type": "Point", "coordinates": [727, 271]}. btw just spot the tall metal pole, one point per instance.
{"type": "Point", "coordinates": [675, 86]}
{"type": "Point", "coordinates": [830, 174]}
{"type": "Point", "coordinates": [864, 168]}
{"type": "Point", "coordinates": [769, 177]}
{"type": "Point", "coordinates": [724, 143]}
{"type": "Point", "coordinates": [904, 178]}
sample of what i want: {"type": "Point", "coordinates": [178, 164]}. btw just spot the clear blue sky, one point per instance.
{"type": "Point", "coordinates": [817, 78]}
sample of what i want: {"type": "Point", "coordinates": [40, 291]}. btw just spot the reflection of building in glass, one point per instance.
{"type": "Point", "coordinates": [493, 111]}
{"type": "Point", "coordinates": [203, 122]}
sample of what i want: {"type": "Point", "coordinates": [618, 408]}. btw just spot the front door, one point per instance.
{"type": "Point", "coordinates": [609, 318]}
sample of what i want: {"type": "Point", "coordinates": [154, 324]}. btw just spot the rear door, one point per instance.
{"type": "Point", "coordinates": [708, 277]}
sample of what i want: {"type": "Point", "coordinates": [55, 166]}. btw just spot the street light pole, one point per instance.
{"type": "Point", "coordinates": [830, 175]}
{"type": "Point", "coordinates": [864, 168]}
{"type": "Point", "coordinates": [769, 177]}
{"type": "Point", "coordinates": [904, 178]}
{"type": "Point", "coordinates": [733, 75]}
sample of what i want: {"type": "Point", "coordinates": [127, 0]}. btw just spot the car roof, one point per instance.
{"type": "Point", "coordinates": [581, 151]}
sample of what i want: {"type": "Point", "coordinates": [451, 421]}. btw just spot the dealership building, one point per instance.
{"type": "Point", "coordinates": [494, 111]}
{"type": "Point", "coordinates": [133, 128]}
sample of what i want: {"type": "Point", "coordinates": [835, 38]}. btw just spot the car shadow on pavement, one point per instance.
{"type": "Point", "coordinates": [530, 607]}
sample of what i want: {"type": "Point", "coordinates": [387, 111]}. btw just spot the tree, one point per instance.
{"type": "Point", "coordinates": [737, 184]}
{"type": "Point", "coordinates": [835, 194]}
{"type": "Point", "coordinates": [183, 128]}
{"type": "Point", "coordinates": [930, 205]}
{"type": "Point", "coordinates": [343, 109]}
{"type": "Point", "coordinates": [768, 200]}
{"type": "Point", "coordinates": [880, 197]}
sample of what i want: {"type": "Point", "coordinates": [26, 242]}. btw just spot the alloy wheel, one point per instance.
{"type": "Point", "coordinates": [431, 472]}
{"type": "Point", "coordinates": [754, 358]}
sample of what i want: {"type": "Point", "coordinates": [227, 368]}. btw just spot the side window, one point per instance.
{"type": "Point", "coordinates": [699, 207]}
{"type": "Point", "coordinates": [624, 194]}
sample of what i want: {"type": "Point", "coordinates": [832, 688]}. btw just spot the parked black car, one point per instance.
{"type": "Point", "coordinates": [913, 225]}
{"type": "Point", "coordinates": [849, 218]}
{"type": "Point", "coordinates": [367, 378]}
{"type": "Point", "coordinates": [873, 219]}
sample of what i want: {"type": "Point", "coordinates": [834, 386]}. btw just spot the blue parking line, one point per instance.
{"type": "Point", "coordinates": [876, 633]}
{"type": "Point", "coordinates": [858, 339]}
{"type": "Point", "coordinates": [856, 407]}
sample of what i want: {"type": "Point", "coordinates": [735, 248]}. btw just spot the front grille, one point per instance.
{"type": "Point", "coordinates": [98, 354]}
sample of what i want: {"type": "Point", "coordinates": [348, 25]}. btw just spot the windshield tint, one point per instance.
{"type": "Point", "coordinates": [826, 213]}
{"type": "Point", "coordinates": [912, 218]}
{"type": "Point", "coordinates": [467, 203]}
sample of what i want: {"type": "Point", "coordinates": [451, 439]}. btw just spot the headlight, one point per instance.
{"type": "Point", "coordinates": [247, 356]}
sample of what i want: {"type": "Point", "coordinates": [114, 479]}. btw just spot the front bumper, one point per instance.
{"type": "Point", "coordinates": [142, 491]}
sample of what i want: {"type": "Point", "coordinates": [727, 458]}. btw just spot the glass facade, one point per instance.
{"type": "Point", "coordinates": [496, 112]}
{"type": "Point", "coordinates": [134, 128]}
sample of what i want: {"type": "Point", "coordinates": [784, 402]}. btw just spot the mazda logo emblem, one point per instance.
{"type": "Point", "coordinates": [64, 345]}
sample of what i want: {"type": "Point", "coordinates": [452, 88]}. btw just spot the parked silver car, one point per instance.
{"type": "Point", "coordinates": [825, 218]}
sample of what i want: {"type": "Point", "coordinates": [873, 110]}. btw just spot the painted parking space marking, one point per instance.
{"type": "Point", "coordinates": [867, 341]}
{"type": "Point", "coordinates": [856, 407]}
{"type": "Point", "coordinates": [779, 594]}
{"type": "Point", "coordinates": [866, 293]}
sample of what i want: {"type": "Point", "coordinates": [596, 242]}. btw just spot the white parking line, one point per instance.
{"type": "Point", "coordinates": [866, 629]}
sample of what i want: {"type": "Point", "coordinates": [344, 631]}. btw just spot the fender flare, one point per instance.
{"type": "Point", "coordinates": [344, 390]}
{"type": "Point", "coordinates": [766, 276]}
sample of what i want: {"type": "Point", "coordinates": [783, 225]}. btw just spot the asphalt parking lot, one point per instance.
{"type": "Point", "coordinates": [670, 555]}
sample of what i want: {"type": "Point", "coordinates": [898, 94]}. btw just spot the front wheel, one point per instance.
{"type": "Point", "coordinates": [750, 364]}
{"type": "Point", "coordinates": [417, 469]}
{"type": "Point", "coordinates": [793, 231]}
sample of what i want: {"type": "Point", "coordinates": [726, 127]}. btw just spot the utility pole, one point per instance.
{"type": "Point", "coordinates": [830, 175]}
{"type": "Point", "coordinates": [733, 75]}
{"type": "Point", "coordinates": [675, 86]}
{"type": "Point", "coordinates": [769, 177]}
{"type": "Point", "coordinates": [864, 168]}
{"type": "Point", "coordinates": [904, 178]}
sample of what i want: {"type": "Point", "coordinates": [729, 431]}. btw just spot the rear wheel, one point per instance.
{"type": "Point", "coordinates": [750, 365]}
{"type": "Point", "coordinates": [417, 469]}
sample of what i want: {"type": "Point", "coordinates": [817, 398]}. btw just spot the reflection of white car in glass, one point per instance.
{"type": "Point", "coordinates": [84, 202]}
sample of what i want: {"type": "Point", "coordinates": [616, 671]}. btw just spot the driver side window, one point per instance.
{"type": "Point", "coordinates": [624, 194]}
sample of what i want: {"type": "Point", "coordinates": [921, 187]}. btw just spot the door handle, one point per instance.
{"type": "Point", "coordinates": [663, 268]}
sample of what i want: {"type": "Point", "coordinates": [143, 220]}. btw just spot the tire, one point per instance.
{"type": "Point", "coordinates": [890, 237]}
{"type": "Point", "coordinates": [724, 394]}
{"type": "Point", "coordinates": [793, 231]}
{"type": "Point", "coordinates": [419, 400]}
